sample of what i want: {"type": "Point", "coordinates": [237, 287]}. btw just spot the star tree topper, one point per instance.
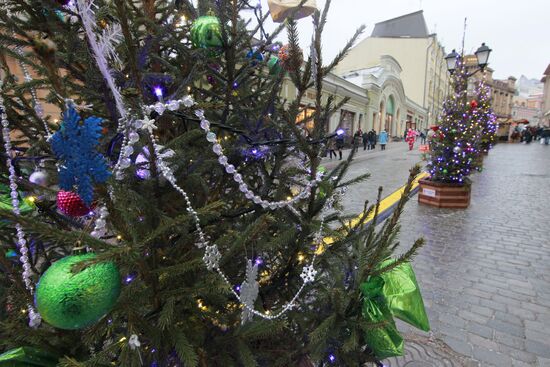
{"type": "Point", "coordinates": [75, 145]}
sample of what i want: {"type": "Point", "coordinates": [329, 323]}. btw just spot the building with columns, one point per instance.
{"type": "Point", "coordinates": [389, 108]}
{"type": "Point", "coordinates": [419, 55]}
{"type": "Point", "coordinates": [377, 100]}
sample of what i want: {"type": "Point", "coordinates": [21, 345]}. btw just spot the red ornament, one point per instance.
{"type": "Point", "coordinates": [71, 204]}
{"type": "Point", "coordinates": [434, 128]}
{"type": "Point", "coordinates": [285, 58]}
{"type": "Point", "coordinates": [473, 104]}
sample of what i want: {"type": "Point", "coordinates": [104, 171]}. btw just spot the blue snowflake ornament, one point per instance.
{"type": "Point", "coordinates": [75, 145]}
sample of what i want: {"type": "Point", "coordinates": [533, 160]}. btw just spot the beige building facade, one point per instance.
{"type": "Point", "coordinates": [420, 55]}
{"type": "Point", "coordinates": [389, 107]}
{"type": "Point", "coordinates": [546, 97]}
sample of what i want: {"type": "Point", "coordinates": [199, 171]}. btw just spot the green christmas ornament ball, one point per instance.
{"type": "Point", "coordinates": [70, 301]}
{"type": "Point", "coordinates": [206, 32]}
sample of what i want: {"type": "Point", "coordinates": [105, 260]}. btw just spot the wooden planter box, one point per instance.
{"type": "Point", "coordinates": [444, 195]}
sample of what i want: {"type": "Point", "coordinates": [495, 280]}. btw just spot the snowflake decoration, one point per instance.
{"type": "Point", "coordinates": [249, 290]}
{"type": "Point", "coordinates": [308, 274]}
{"type": "Point", "coordinates": [75, 145]}
{"type": "Point", "coordinates": [211, 257]}
{"type": "Point", "coordinates": [148, 124]}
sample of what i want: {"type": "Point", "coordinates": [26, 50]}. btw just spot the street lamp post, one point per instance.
{"type": "Point", "coordinates": [482, 55]}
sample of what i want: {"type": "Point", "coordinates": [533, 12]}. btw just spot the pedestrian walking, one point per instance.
{"type": "Point", "coordinates": [372, 139]}
{"type": "Point", "coordinates": [331, 148]}
{"type": "Point", "coordinates": [383, 139]}
{"type": "Point", "coordinates": [527, 136]}
{"type": "Point", "coordinates": [357, 139]}
{"type": "Point", "coordinates": [411, 137]}
{"type": "Point", "coordinates": [546, 135]}
{"type": "Point", "coordinates": [365, 138]}
{"type": "Point", "coordinates": [422, 138]}
{"type": "Point", "coordinates": [340, 145]}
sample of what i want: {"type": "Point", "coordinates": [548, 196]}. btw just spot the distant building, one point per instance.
{"type": "Point", "coordinates": [528, 108]}
{"type": "Point", "coordinates": [546, 97]}
{"type": "Point", "coordinates": [502, 91]}
{"type": "Point", "coordinates": [389, 108]}
{"type": "Point", "coordinates": [420, 57]}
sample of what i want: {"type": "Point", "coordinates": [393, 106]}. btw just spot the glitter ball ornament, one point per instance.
{"type": "Point", "coordinates": [70, 301]}
{"type": "Point", "coordinates": [289, 61]}
{"type": "Point", "coordinates": [71, 204]}
{"type": "Point", "coordinates": [39, 178]}
{"type": "Point", "coordinates": [473, 104]}
{"type": "Point", "coordinates": [457, 150]}
{"type": "Point", "coordinates": [256, 57]}
{"type": "Point", "coordinates": [206, 32]}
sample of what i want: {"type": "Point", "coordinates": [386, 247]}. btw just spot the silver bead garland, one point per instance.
{"type": "Point", "coordinates": [34, 316]}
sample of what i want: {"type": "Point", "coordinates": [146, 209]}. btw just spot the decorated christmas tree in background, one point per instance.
{"type": "Point", "coordinates": [485, 115]}
{"type": "Point", "coordinates": [455, 147]}
{"type": "Point", "coordinates": [178, 214]}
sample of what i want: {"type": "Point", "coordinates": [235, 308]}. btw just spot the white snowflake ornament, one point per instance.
{"type": "Point", "coordinates": [211, 257]}
{"type": "Point", "coordinates": [308, 274]}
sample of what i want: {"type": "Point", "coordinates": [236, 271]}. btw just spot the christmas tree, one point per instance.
{"type": "Point", "coordinates": [455, 146]}
{"type": "Point", "coordinates": [485, 115]}
{"type": "Point", "coordinates": [179, 214]}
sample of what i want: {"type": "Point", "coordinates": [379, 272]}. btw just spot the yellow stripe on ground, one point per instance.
{"type": "Point", "coordinates": [385, 204]}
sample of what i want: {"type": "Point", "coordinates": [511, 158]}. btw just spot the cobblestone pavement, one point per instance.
{"type": "Point", "coordinates": [389, 168]}
{"type": "Point", "coordinates": [484, 271]}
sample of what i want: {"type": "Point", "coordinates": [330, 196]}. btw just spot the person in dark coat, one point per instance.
{"type": "Point", "coordinates": [372, 139]}
{"type": "Point", "coordinates": [340, 145]}
{"type": "Point", "coordinates": [527, 136]}
{"type": "Point", "coordinates": [365, 137]}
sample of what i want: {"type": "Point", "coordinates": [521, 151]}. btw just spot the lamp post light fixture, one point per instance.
{"type": "Point", "coordinates": [451, 60]}
{"type": "Point", "coordinates": [482, 55]}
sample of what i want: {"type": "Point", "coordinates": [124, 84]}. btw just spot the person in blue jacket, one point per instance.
{"type": "Point", "coordinates": [383, 139]}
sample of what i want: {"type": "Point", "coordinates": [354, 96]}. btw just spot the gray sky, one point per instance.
{"type": "Point", "coordinates": [517, 31]}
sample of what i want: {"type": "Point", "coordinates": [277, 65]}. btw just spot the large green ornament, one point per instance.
{"type": "Point", "coordinates": [206, 32]}
{"type": "Point", "coordinates": [73, 301]}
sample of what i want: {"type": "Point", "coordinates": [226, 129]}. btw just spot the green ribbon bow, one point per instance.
{"type": "Point", "coordinates": [403, 295]}
{"type": "Point", "coordinates": [393, 293]}
{"type": "Point", "coordinates": [384, 340]}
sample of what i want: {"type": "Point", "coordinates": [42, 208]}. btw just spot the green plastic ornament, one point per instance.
{"type": "Point", "coordinates": [445, 171]}
{"type": "Point", "coordinates": [71, 301]}
{"type": "Point", "coordinates": [274, 65]}
{"type": "Point", "coordinates": [206, 32]}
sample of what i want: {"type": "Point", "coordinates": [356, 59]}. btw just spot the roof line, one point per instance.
{"type": "Point", "coordinates": [399, 17]}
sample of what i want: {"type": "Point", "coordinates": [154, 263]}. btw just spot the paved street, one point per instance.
{"type": "Point", "coordinates": [485, 271]}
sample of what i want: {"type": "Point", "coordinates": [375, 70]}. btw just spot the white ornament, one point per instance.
{"type": "Point", "coordinates": [211, 257]}
{"type": "Point", "coordinates": [308, 274]}
{"type": "Point", "coordinates": [134, 342]}
{"type": "Point", "coordinates": [39, 178]}
{"type": "Point", "coordinates": [249, 290]}
{"type": "Point", "coordinates": [148, 124]}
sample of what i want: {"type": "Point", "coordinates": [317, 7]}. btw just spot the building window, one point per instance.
{"type": "Point", "coordinates": [346, 121]}
{"type": "Point", "coordinates": [305, 113]}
